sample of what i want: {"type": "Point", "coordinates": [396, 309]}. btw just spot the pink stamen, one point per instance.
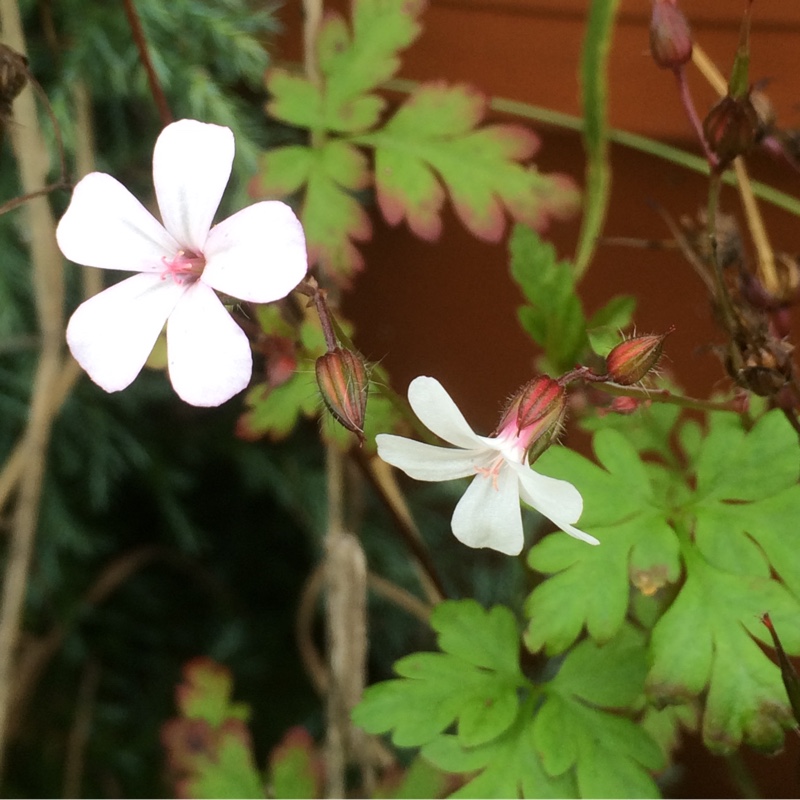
{"type": "Point", "coordinates": [492, 471]}
{"type": "Point", "coordinates": [184, 266]}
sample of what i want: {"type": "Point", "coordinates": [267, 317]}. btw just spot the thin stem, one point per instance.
{"type": "Point", "coordinates": [664, 396]}
{"type": "Point", "coordinates": [32, 160]}
{"type": "Point", "coordinates": [144, 55]}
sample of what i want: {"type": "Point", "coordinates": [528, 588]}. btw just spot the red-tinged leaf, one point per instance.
{"type": "Point", "coordinates": [436, 110]}
{"type": "Point", "coordinates": [205, 693]}
{"type": "Point", "coordinates": [282, 172]}
{"type": "Point", "coordinates": [432, 140]}
{"type": "Point", "coordinates": [296, 767]}
{"type": "Point", "coordinates": [333, 220]}
{"type": "Point", "coordinates": [346, 165]}
{"type": "Point", "coordinates": [209, 749]}
{"type": "Point", "coordinates": [408, 189]}
{"type": "Point", "coordinates": [229, 771]}
{"type": "Point", "coordinates": [294, 99]}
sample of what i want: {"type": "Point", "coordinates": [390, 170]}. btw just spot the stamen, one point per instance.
{"type": "Point", "coordinates": [492, 471]}
{"type": "Point", "coordinates": [184, 266]}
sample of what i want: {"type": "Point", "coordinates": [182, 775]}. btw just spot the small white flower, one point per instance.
{"type": "Point", "coordinates": [488, 515]}
{"type": "Point", "coordinates": [258, 255]}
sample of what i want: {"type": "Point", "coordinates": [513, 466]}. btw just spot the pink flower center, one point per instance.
{"type": "Point", "coordinates": [183, 267]}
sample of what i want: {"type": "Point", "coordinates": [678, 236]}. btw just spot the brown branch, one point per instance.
{"type": "Point", "coordinates": [144, 55]}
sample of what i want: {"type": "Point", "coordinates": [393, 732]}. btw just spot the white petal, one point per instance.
{"type": "Point", "coordinates": [440, 414]}
{"type": "Point", "coordinates": [208, 353]}
{"type": "Point", "coordinates": [258, 254]}
{"type": "Point", "coordinates": [191, 166]}
{"type": "Point", "coordinates": [426, 462]}
{"type": "Point", "coordinates": [488, 515]}
{"type": "Point", "coordinates": [112, 334]}
{"type": "Point", "coordinates": [106, 226]}
{"type": "Point", "coordinates": [555, 499]}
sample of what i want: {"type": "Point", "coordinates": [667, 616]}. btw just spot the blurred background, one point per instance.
{"type": "Point", "coordinates": [161, 535]}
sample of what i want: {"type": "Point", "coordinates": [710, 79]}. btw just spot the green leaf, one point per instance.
{"type": "Point", "coordinates": [553, 317]}
{"type": "Point", "coordinates": [294, 99]}
{"type": "Point", "coordinates": [230, 772]}
{"type": "Point", "coordinates": [332, 218]}
{"type": "Point", "coordinates": [209, 749]}
{"type": "Point", "coordinates": [705, 641]}
{"type": "Point", "coordinates": [731, 464]}
{"type": "Point", "coordinates": [509, 766]}
{"type": "Point", "coordinates": [421, 779]}
{"type": "Point", "coordinates": [726, 532]}
{"type": "Point", "coordinates": [295, 766]}
{"type": "Point", "coordinates": [475, 681]}
{"type": "Point", "coordinates": [594, 91]}
{"type": "Point", "coordinates": [605, 325]}
{"type": "Point", "coordinates": [282, 171]}
{"type": "Point", "coordinates": [206, 693]}
{"type": "Point", "coordinates": [611, 756]}
{"type": "Point", "coordinates": [432, 142]}
{"type": "Point", "coordinates": [353, 64]}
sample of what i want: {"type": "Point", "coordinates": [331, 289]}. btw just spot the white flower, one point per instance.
{"type": "Point", "coordinates": [488, 515]}
{"type": "Point", "coordinates": [258, 255]}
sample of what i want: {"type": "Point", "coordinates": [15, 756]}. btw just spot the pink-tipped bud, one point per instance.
{"type": "Point", "coordinates": [632, 359]}
{"type": "Point", "coordinates": [344, 385]}
{"type": "Point", "coordinates": [731, 128]}
{"type": "Point", "coordinates": [670, 36]}
{"type": "Point", "coordinates": [534, 415]}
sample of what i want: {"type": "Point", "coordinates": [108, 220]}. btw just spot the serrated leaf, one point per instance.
{"type": "Point", "coordinates": [282, 171]}
{"type": "Point", "coordinates": [333, 220]}
{"type": "Point", "coordinates": [421, 779]}
{"type": "Point", "coordinates": [353, 64]}
{"type": "Point", "coordinates": [705, 640]}
{"type": "Point", "coordinates": [553, 317]}
{"type": "Point", "coordinates": [611, 756]}
{"type": "Point", "coordinates": [295, 766]}
{"type": "Point", "coordinates": [294, 99]}
{"type": "Point", "coordinates": [230, 772]}
{"type": "Point", "coordinates": [205, 693]}
{"type": "Point", "coordinates": [432, 141]}
{"type": "Point", "coordinates": [276, 412]}
{"type": "Point", "coordinates": [508, 768]}
{"type": "Point", "coordinates": [731, 463]}
{"type": "Point", "coordinates": [476, 683]}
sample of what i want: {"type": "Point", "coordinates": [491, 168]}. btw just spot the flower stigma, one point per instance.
{"type": "Point", "coordinates": [184, 267]}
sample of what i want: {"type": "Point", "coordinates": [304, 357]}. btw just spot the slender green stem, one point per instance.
{"type": "Point", "coordinates": [632, 141]}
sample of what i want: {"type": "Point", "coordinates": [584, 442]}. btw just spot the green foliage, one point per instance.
{"type": "Point", "coordinates": [554, 739]}
{"type": "Point", "coordinates": [553, 316]}
{"type": "Point", "coordinates": [274, 411]}
{"type": "Point", "coordinates": [208, 746]}
{"type": "Point", "coordinates": [710, 543]}
{"type": "Point", "coordinates": [433, 145]}
{"type": "Point", "coordinates": [295, 768]}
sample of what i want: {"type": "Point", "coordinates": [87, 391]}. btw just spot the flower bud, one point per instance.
{"type": "Point", "coordinates": [731, 128]}
{"type": "Point", "coordinates": [344, 385]}
{"type": "Point", "coordinates": [534, 415]}
{"type": "Point", "coordinates": [632, 359]}
{"type": "Point", "coordinates": [670, 37]}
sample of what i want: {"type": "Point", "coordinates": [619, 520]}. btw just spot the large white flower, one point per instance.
{"type": "Point", "coordinates": [258, 254]}
{"type": "Point", "coordinates": [488, 515]}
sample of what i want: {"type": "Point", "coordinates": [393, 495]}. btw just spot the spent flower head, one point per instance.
{"type": "Point", "coordinates": [256, 255]}
{"type": "Point", "coordinates": [488, 515]}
